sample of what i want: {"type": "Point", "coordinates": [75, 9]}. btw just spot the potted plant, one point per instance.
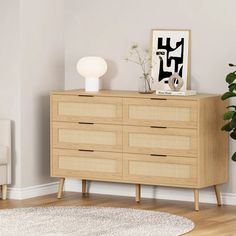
{"type": "Point", "coordinates": [230, 115]}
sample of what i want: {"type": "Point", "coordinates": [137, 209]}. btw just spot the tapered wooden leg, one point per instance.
{"type": "Point", "coordinates": [138, 192]}
{"type": "Point", "coordinates": [61, 186]}
{"type": "Point", "coordinates": [84, 187]}
{"type": "Point", "coordinates": [217, 192]}
{"type": "Point", "coordinates": [4, 192]}
{"type": "Point", "coordinates": [196, 199]}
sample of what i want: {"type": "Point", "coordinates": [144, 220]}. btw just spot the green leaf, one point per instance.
{"type": "Point", "coordinates": [230, 77]}
{"type": "Point", "coordinates": [228, 115]}
{"type": "Point", "coordinates": [228, 95]}
{"type": "Point", "coordinates": [227, 127]}
{"type": "Point", "coordinates": [233, 122]}
{"type": "Point", "coordinates": [232, 87]}
{"type": "Point", "coordinates": [231, 106]}
{"type": "Point", "coordinates": [234, 157]}
{"type": "Point", "coordinates": [233, 134]}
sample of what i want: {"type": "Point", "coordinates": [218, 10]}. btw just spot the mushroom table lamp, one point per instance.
{"type": "Point", "coordinates": [92, 68]}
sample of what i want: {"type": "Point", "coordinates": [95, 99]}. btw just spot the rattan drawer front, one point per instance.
{"type": "Point", "coordinates": [167, 141]}
{"type": "Point", "coordinates": [170, 113]}
{"type": "Point", "coordinates": [166, 170]}
{"type": "Point", "coordinates": [87, 109]}
{"type": "Point", "coordinates": [87, 136]}
{"type": "Point", "coordinates": [100, 165]}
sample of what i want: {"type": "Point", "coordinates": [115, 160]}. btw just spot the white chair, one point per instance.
{"type": "Point", "coordinates": [5, 156]}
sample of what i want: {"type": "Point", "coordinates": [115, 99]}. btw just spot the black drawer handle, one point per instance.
{"type": "Point", "coordinates": [85, 150]}
{"type": "Point", "coordinates": [86, 123]}
{"type": "Point", "coordinates": [84, 95]}
{"type": "Point", "coordinates": [163, 99]}
{"type": "Point", "coordinates": [157, 127]}
{"type": "Point", "coordinates": [158, 155]}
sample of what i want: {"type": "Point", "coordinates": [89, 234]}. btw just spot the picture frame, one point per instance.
{"type": "Point", "coordinates": [170, 52]}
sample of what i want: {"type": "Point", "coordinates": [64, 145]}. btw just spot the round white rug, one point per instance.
{"type": "Point", "coordinates": [88, 221]}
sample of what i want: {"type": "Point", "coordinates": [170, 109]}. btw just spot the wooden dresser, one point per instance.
{"type": "Point", "coordinates": [124, 136]}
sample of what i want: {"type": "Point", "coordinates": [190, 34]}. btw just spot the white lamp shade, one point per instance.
{"type": "Point", "coordinates": [91, 68]}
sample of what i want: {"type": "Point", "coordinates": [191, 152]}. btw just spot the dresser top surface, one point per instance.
{"type": "Point", "coordinates": [128, 94]}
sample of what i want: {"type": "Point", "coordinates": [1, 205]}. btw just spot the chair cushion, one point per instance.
{"type": "Point", "coordinates": [3, 155]}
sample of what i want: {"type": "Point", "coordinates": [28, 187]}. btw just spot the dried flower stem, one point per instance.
{"type": "Point", "coordinates": [143, 61]}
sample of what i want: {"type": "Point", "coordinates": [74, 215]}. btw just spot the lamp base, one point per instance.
{"type": "Point", "coordinates": [92, 85]}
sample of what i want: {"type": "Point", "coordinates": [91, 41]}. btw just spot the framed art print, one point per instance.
{"type": "Point", "coordinates": [170, 55]}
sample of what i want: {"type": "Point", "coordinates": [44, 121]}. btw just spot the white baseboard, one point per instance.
{"type": "Point", "coordinates": [118, 189]}
{"type": "Point", "coordinates": [156, 192]}
{"type": "Point", "coordinates": [32, 191]}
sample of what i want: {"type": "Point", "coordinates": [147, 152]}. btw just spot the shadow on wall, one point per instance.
{"type": "Point", "coordinates": [13, 154]}
{"type": "Point", "coordinates": [112, 71]}
{"type": "Point", "coordinates": [194, 83]}
{"type": "Point", "coordinates": [44, 137]}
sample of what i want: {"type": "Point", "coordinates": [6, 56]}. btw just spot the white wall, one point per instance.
{"type": "Point", "coordinates": [31, 65]}
{"type": "Point", "coordinates": [106, 28]}
{"type": "Point", "coordinates": [10, 77]}
{"type": "Point", "coordinates": [42, 70]}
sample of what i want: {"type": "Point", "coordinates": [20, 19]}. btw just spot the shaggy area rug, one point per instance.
{"type": "Point", "coordinates": [90, 221]}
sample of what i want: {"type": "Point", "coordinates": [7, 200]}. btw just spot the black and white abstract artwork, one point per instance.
{"type": "Point", "coordinates": [170, 55]}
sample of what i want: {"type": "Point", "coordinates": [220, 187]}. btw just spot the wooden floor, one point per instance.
{"type": "Point", "coordinates": [210, 220]}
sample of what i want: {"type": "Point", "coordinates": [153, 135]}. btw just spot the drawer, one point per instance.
{"type": "Point", "coordinates": [169, 113]}
{"type": "Point", "coordinates": [87, 136]}
{"type": "Point", "coordinates": [167, 141]}
{"type": "Point", "coordinates": [163, 170]}
{"type": "Point", "coordinates": [86, 109]}
{"type": "Point", "coordinates": [84, 164]}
